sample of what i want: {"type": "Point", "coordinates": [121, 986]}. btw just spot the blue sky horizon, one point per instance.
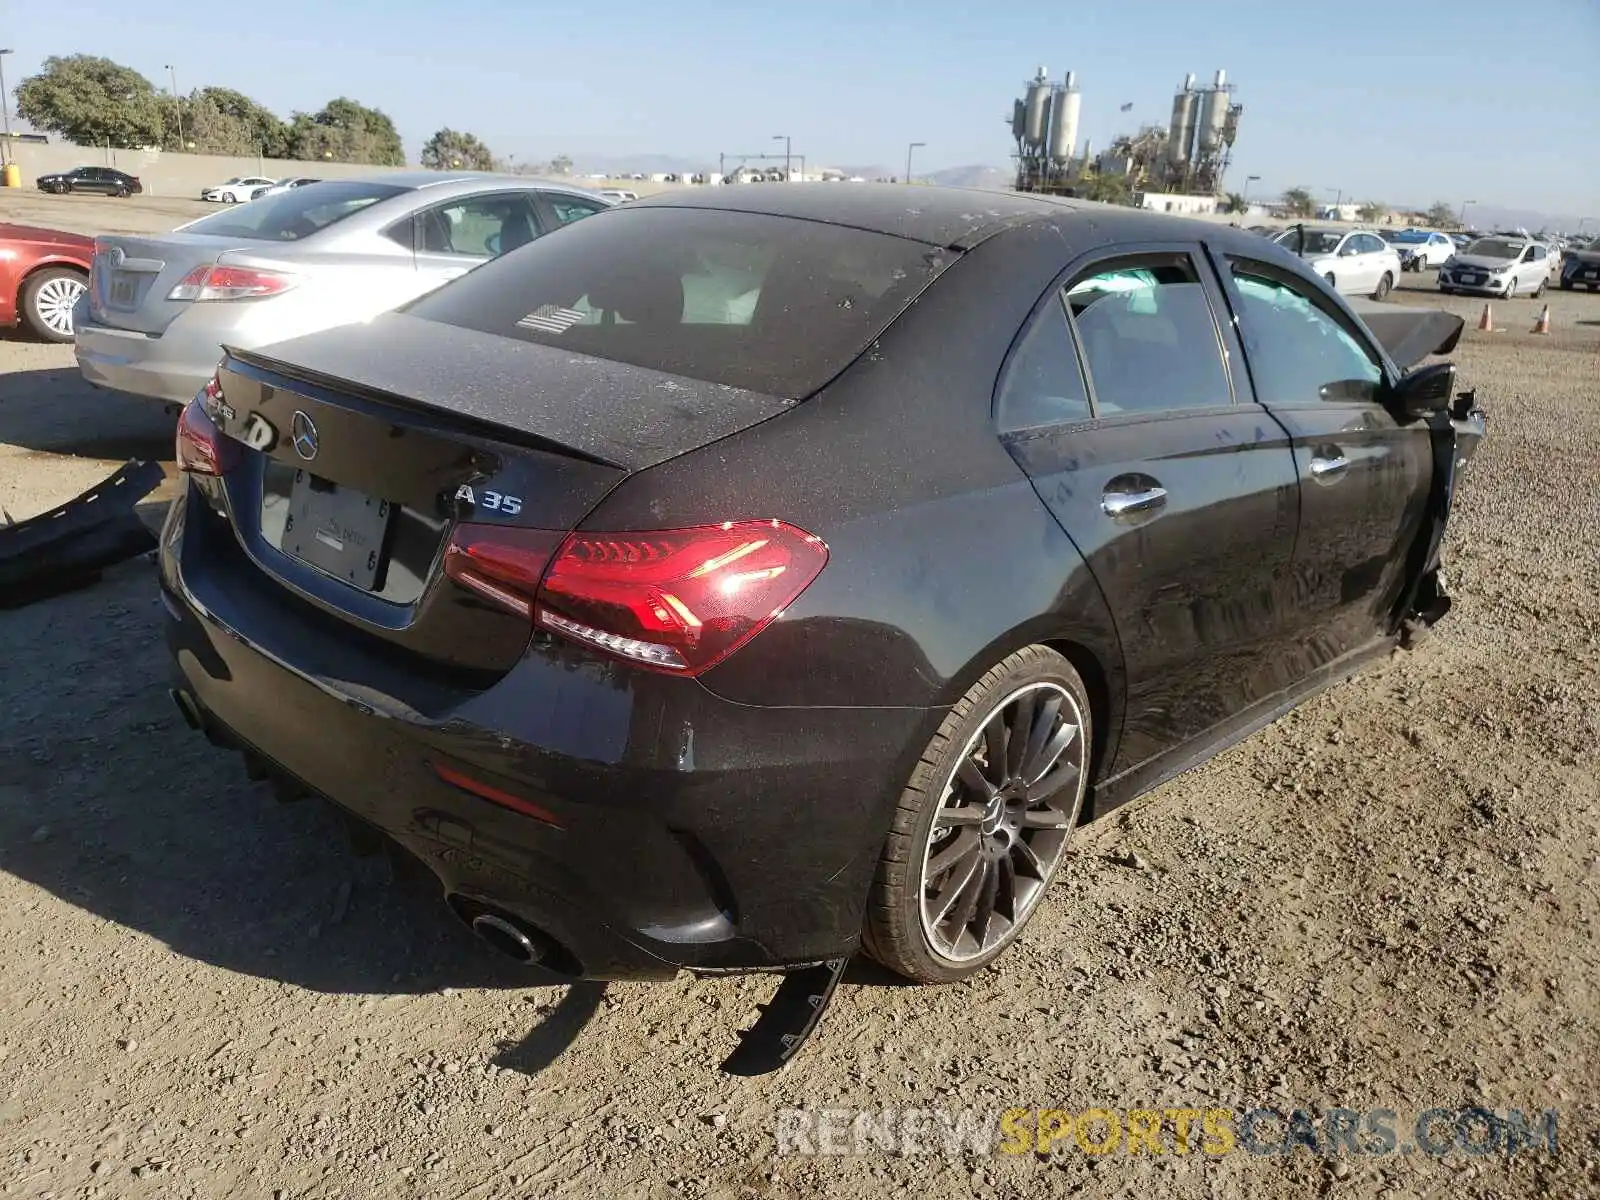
{"type": "Point", "coordinates": [1439, 101]}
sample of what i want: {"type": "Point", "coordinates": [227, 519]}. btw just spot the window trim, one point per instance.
{"type": "Point", "coordinates": [1316, 291]}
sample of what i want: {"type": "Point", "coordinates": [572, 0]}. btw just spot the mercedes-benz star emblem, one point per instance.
{"type": "Point", "coordinates": [303, 434]}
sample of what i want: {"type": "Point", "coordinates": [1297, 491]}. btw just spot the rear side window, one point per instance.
{"type": "Point", "coordinates": [1148, 336]}
{"type": "Point", "coordinates": [567, 209]}
{"type": "Point", "coordinates": [771, 304]}
{"type": "Point", "coordinates": [1043, 383]}
{"type": "Point", "coordinates": [296, 214]}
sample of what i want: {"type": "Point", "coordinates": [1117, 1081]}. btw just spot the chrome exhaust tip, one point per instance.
{"type": "Point", "coordinates": [508, 938]}
{"type": "Point", "coordinates": [189, 709]}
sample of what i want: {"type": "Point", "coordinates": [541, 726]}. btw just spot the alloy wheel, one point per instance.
{"type": "Point", "coordinates": [1003, 822]}
{"type": "Point", "coordinates": [53, 301]}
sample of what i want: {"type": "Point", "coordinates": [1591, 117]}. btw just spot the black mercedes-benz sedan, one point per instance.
{"type": "Point", "coordinates": [746, 576]}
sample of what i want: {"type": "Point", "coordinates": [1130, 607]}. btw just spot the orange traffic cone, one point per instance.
{"type": "Point", "coordinates": [1542, 325]}
{"type": "Point", "coordinates": [1486, 322]}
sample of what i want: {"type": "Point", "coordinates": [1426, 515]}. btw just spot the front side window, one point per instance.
{"type": "Point", "coordinates": [1043, 382]}
{"type": "Point", "coordinates": [1149, 338]}
{"type": "Point", "coordinates": [1298, 352]}
{"type": "Point", "coordinates": [296, 214]}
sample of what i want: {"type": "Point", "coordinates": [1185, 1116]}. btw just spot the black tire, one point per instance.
{"type": "Point", "coordinates": [1448, 291]}
{"type": "Point", "coordinates": [895, 932]}
{"type": "Point", "coordinates": [1539, 291]}
{"type": "Point", "coordinates": [121, 193]}
{"type": "Point", "coordinates": [42, 296]}
{"type": "Point", "coordinates": [1385, 286]}
{"type": "Point", "coordinates": [1566, 285]}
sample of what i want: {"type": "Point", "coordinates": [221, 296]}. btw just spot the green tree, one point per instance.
{"type": "Point", "coordinates": [1106, 189]}
{"type": "Point", "coordinates": [1299, 201]}
{"type": "Point", "coordinates": [1235, 203]}
{"type": "Point", "coordinates": [1442, 216]}
{"type": "Point", "coordinates": [452, 150]}
{"type": "Point", "coordinates": [1373, 211]}
{"type": "Point", "coordinates": [561, 164]}
{"type": "Point", "coordinates": [92, 101]}
{"type": "Point", "coordinates": [264, 132]}
{"type": "Point", "coordinates": [345, 131]}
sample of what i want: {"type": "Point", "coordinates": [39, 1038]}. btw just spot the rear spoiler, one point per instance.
{"type": "Point", "coordinates": [1409, 334]}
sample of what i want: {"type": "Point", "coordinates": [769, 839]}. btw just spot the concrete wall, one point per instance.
{"type": "Point", "coordinates": [168, 174]}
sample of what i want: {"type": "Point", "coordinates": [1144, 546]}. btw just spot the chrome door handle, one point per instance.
{"type": "Point", "coordinates": [1121, 504]}
{"type": "Point", "coordinates": [1321, 468]}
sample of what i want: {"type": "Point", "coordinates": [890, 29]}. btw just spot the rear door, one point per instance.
{"type": "Point", "coordinates": [456, 235]}
{"type": "Point", "coordinates": [1119, 404]}
{"type": "Point", "coordinates": [1363, 477]}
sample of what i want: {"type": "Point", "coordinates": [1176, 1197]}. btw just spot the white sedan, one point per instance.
{"type": "Point", "coordinates": [235, 190]}
{"type": "Point", "coordinates": [1421, 249]}
{"type": "Point", "coordinates": [1355, 262]}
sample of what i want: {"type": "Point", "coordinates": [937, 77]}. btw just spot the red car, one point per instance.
{"type": "Point", "coordinates": [42, 274]}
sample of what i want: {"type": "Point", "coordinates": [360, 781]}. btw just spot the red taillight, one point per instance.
{"type": "Point", "coordinates": [678, 600]}
{"type": "Point", "coordinates": [230, 283]}
{"type": "Point", "coordinates": [502, 565]}
{"type": "Point", "coordinates": [203, 449]}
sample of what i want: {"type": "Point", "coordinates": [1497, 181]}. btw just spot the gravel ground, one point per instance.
{"type": "Point", "coordinates": [1384, 900]}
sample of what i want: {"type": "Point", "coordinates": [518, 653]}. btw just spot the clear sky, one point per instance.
{"type": "Point", "coordinates": [1407, 102]}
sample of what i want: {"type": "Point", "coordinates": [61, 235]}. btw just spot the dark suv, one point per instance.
{"type": "Point", "coordinates": [106, 181]}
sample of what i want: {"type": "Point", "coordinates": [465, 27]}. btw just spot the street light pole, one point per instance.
{"type": "Point", "coordinates": [1462, 219]}
{"type": "Point", "coordinates": [5, 105]}
{"type": "Point", "coordinates": [1248, 180]}
{"type": "Point", "coordinates": [912, 146]}
{"type": "Point", "coordinates": [784, 138]}
{"type": "Point", "coordinates": [176, 107]}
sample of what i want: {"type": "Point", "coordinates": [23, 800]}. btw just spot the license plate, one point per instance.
{"type": "Point", "coordinates": [1592, 273]}
{"type": "Point", "coordinates": [1474, 279]}
{"type": "Point", "coordinates": [124, 292]}
{"type": "Point", "coordinates": [338, 530]}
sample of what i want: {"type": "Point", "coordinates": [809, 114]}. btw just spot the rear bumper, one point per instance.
{"type": "Point", "coordinates": [683, 831]}
{"type": "Point", "coordinates": [170, 368]}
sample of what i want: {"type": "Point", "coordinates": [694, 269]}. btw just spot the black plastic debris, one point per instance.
{"type": "Point", "coordinates": [67, 547]}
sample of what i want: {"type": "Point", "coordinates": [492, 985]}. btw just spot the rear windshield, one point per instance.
{"type": "Point", "coordinates": [295, 214]}
{"type": "Point", "coordinates": [771, 304]}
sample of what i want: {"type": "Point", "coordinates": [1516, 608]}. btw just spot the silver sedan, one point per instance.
{"type": "Point", "coordinates": [159, 308]}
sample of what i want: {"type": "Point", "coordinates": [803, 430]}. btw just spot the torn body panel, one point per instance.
{"type": "Point", "coordinates": [1456, 433]}
{"type": "Point", "coordinates": [71, 544]}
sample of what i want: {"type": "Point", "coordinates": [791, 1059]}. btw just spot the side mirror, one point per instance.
{"type": "Point", "coordinates": [1426, 390]}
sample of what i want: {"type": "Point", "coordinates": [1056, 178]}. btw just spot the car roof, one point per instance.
{"type": "Point", "coordinates": [940, 216]}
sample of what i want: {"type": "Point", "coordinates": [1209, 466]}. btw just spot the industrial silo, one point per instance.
{"type": "Point", "coordinates": [1185, 109]}
{"type": "Point", "coordinates": [1064, 107]}
{"type": "Point", "coordinates": [1036, 101]}
{"type": "Point", "coordinates": [1213, 115]}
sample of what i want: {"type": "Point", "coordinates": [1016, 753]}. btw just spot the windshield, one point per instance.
{"type": "Point", "coordinates": [1318, 241]}
{"type": "Point", "coordinates": [297, 213]}
{"type": "Point", "coordinates": [1495, 248]}
{"type": "Point", "coordinates": [765, 303]}
{"type": "Point", "coordinates": [1407, 238]}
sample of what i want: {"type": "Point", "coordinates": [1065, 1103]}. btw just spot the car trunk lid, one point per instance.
{"type": "Point", "coordinates": [367, 445]}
